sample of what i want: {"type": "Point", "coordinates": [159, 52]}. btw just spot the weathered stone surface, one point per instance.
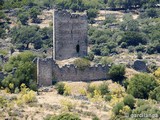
{"type": "Point", "coordinates": [69, 40]}
{"type": "Point", "coordinates": [69, 35]}
{"type": "Point", "coordinates": [140, 65]}
{"type": "Point", "coordinates": [47, 69]}
{"type": "Point", "coordinates": [44, 71]}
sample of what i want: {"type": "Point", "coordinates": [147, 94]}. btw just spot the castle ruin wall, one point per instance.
{"type": "Point", "coordinates": [49, 70]}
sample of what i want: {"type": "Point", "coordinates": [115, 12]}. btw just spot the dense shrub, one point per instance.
{"type": "Point", "coordinates": [117, 108]}
{"type": "Point", "coordinates": [3, 101]}
{"type": "Point", "coordinates": [139, 55]}
{"type": "Point", "coordinates": [60, 88]}
{"type": "Point", "coordinates": [63, 116]}
{"type": "Point", "coordinates": [91, 89]}
{"type": "Point", "coordinates": [82, 63]}
{"type": "Point", "coordinates": [24, 72]}
{"type": "Point", "coordinates": [151, 110]}
{"type": "Point", "coordinates": [103, 88]}
{"type": "Point", "coordinates": [140, 48]}
{"type": "Point", "coordinates": [117, 72]}
{"type": "Point", "coordinates": [107, 97]}
{"type": "Point", "coordinates": [155, 94]}
{"type": "Point", "coordinates": [129, 100]}
{"type": "Point", "coordinates": [131, 49]}
{"type": "Point", "coordinates": [134, 38]}
{"type": "Point", "coordinates": [140, 85]}
{"type": "Point", "coordinates": [106, 61]}
{"type": "Point", "coordinates": [92, 13]}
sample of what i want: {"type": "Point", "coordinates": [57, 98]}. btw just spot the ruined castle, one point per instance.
{"type": "Point", "coordinates": [69, 40]}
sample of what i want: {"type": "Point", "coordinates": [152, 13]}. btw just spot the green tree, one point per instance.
{"type": "Point", "coordinates": [34, 12]}
{"type": "Point", "coordinates": [117, 72]}
{"type": "Point", "coordinates": [140, 85]}
{"type": "Point", "coordinates": [134, 38]}
{"type": "Point", "coordinates": [26, 35]}
{"type": "Point", "coordinates": [21, 69]}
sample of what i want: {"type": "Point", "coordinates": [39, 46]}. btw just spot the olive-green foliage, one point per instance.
{"type": "Point", "coordinates": [82, 63]}
{"type": "Point", "coordinates": [106, 61]}
{"type": "Point", "coordinates": [102, 41]}
{"type": "Point", "coordinates": [95, 118]}
{"type": "Point", "coordinates": [134, 38]}
{"type": "Point", "coordinates": [32, 34]}
{"type": "Point", "coordinates": [140, 85]}
{"type": "Point", "coordinates": [3, 101]}
{"type": "Point", "coordinates": [110, 19]}
{"type": "Point", "coordinates": [103, 87]}
{"type": "Point", "coordinates": [3, 24]}
{"type": "Point", "coordinates": [78, 5]}
{"type": "Point", "coordinates": [92, 13]}
{"type": "Point", "coordinates": [63, 116]}
{"type": "Point", "coordinates": [150, 13]}
{"type": "Point", "coordinates": [139, 55]}
{"type": "Point", "coordinates": [129, 100]}
{"type": "Point", "coordinates": [91, 89]}
{"type": "Point", "coordinates": [23, 18]}
{"type": "Point", "coordinates": [147, 109]}
{"type": "Point", "coordinates": [117, 72]}
{"type": "Point", "coordinates": [34, 12]}
{"type": "Point", "coordinates": [131, 49]}
{"type": "Point", "coordinates": [8, 4]}
{"type": "Point", "coordinates": [107, 97]}
{"type": "Point", "coordinates": [129, 4]}
{"type": "Point", "coordinates": [24, 71]}
{"type": "Point", "coordinates": [26, 35]}
{"type": "Point", "coordinates": [117, 108]}
{"type": "Point", "coordinates": [90, 56]}
{"type": "Point", "coordinates": [60, 87]}
{"type": "Point", "coordinates": [155, 94]}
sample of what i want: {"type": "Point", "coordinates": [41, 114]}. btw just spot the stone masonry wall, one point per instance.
{"type": "Point", "coordinates": [48, 69]}
{"type": "Point", "coordinates": [44, 71]}
{"type": "Point", "coordinates": [69, 35]}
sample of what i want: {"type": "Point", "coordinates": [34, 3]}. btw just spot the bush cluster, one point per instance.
{"type": "Point", "coordinates": [24, 72]}
{"type": "Point", "coordinates": [82, 63]}
{"type": "Point", "coordinates": [117, 72]}
{"type": "Point", "coordinates": [63, 116]}
{"type": "Point", "coordinates": [140, 85]}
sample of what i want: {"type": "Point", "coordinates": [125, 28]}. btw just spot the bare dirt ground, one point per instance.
{"type": "Point", "coordinates": [51, 103]}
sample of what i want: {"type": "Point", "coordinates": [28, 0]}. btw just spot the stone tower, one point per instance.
{"type": "Point", "coordinates": [69, 35]}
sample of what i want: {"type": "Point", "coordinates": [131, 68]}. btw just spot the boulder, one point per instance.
{"type": "Point", "coordinates": [140, 65]}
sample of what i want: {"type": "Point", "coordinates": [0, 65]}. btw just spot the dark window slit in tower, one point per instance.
{"type": "Point", "coordinates": [77, 48]}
